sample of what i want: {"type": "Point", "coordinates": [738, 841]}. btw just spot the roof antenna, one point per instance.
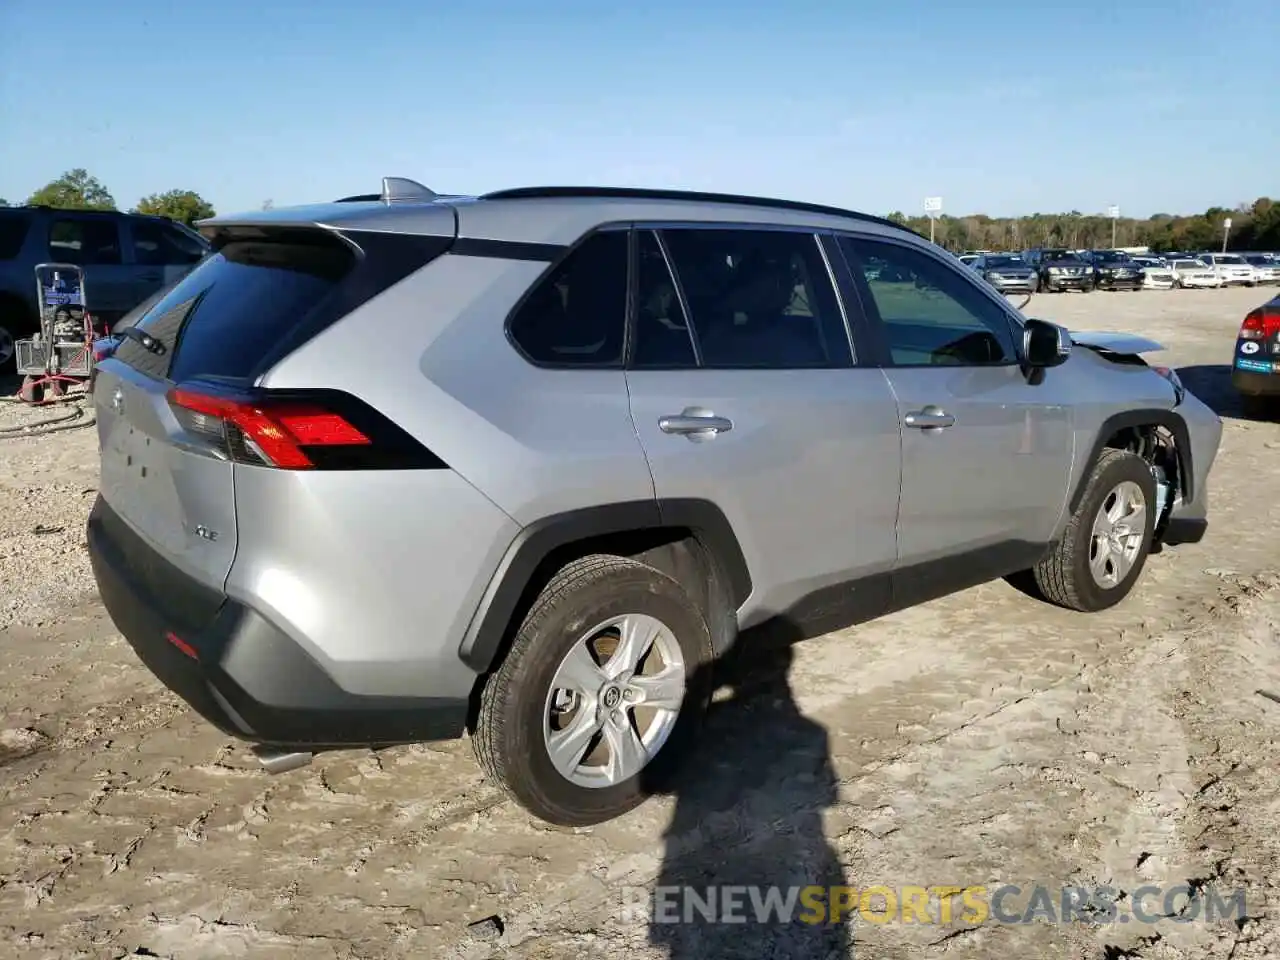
{"type": "Point", "coordinates": [404, 190]}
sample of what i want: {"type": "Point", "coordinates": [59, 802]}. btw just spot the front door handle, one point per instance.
{"type": "Point", "coordinates": [930, 418]}
{"type": "Point", "coordinates": [695, 423]}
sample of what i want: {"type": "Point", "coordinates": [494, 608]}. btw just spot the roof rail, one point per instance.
{"type": "Point", "coordinates": [640, 193]}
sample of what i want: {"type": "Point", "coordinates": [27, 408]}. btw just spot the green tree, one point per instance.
{"type": "Point", "coordinates": [3, 202]}
{"type": "Point", "coordinates": [185, 206]}
{"type": "Point", "coordinates": [74, 190]}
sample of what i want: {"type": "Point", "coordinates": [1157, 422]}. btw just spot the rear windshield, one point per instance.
{"type": "Point", "coordinates": [13, 231]}
{"type": "Point", "coordinates": [1005, 262]}
{"type": "Point", "coordinates": [231, 310]}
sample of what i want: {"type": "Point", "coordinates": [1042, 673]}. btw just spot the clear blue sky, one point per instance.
{"type": "Point", "coordinates": [999, 107]}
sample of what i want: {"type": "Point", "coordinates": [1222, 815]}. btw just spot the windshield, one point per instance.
{"type": "Point", "coordinates": [1109, 256]}
{"type": "Point", "coordinates": [1230, 258]}
{"type": "Point", "coordinates": [998, 262]}
{"type": "Point", "coordinates": [1189, 265]}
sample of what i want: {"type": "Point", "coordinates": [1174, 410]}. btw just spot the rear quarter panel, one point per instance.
{"type": "Point", "coordinates": [417, 549]}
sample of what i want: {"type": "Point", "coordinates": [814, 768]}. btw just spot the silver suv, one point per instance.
{"type": "Point", "coordinates": [525, 465]}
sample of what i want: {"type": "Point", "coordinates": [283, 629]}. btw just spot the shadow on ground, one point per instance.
{"type": "Point", "coordinates": [749, 814]}
{"type": "Point", "coordinates": [1211, 382]}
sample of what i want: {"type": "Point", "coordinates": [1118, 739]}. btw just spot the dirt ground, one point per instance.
{"type": "Point", "coordinates": [980, 739]}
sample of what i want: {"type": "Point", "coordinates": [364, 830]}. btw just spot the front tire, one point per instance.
{"type": "Point", "coordinates": [1105, 545]}
{"type": "Point", "coordinates": [601, 695]}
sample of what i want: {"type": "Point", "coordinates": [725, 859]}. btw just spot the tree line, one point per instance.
{"type": "Point", "coordinates": [1254, 226]}
{"type": "Point", "coordinates": [78, 190]}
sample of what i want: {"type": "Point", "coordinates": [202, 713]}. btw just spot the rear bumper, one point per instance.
{"type": "Point", "coordinates": [1255, 384]}
{"type": "Point", "coordinates": [239, 671]}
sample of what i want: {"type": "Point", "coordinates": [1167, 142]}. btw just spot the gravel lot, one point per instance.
{"type": "Point", "coordinates": [983, 738]}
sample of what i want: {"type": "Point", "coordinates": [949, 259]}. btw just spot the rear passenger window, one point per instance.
{"type": "Point", "coordinates": [759, 299]}
{"type": "Point", "coordinates": [13, 231]}
{"type": "Point", "coordinates": [576, 315]}
{"type": "Point", "coordinates": [662, 339]}
{"type": "Point", "coordinates": [86, 241]}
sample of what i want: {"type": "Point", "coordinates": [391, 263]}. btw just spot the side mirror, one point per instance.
{"type": "Point", "coordinates": [1044, 345]}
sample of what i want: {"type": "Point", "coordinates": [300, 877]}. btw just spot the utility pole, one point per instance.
{"type": "Point", "coordinates": [1226, 232]}
{"type": "Point", "coordinates": [932, 207]}
{"type": "Point", "coordinates": [1114, 213]}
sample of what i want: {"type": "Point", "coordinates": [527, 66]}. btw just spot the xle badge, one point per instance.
{"type": "Point", "coordinates": [205, 533]}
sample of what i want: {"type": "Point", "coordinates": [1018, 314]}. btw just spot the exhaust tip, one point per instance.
{"type": "Point", "coordinates": [275, 760]}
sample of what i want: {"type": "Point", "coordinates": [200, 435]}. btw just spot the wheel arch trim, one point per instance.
{"type": "Point", "coordinates": [507, 588]}
{"type": "Point", "coordinates": [1128, 420]}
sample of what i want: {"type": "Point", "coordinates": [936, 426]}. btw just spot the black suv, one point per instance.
{"type": "Point", "coordinates": [1115, 270]}
{"type": "Point", "coordinates": [1059, 269]}
{"type": "Point", "coordinates": [126, 259]}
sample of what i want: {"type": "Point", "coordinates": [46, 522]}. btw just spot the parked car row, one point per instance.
{"type": "Point", "coordinates": [126, 258]}
{"type": "Point", "coordinates": [1057, 269]}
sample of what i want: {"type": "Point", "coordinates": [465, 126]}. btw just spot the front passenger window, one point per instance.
{"type": "Point", "coordinates": [931, 314]}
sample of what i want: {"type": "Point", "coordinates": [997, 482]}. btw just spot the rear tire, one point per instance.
{"type": "Point", "coordinates": [524, 709]}
{"type": "Point", "coordinates": [1089, 569]}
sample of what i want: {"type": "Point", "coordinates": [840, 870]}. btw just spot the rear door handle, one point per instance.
{"type": "Point", "coordinates": [930, 418]}
{"type": "Point", "coordinates": [695, 423]}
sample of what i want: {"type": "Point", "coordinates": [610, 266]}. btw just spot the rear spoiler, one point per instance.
{"type": "Point", "coordinates": [354, 212]}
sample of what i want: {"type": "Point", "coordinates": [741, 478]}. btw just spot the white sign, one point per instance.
{"type": "Point", "coordinates": [1113, 212]}
{"type": "Point", "coordinates": [1226, 224]}
{"type": "Point", "coordinates": [932, 205]}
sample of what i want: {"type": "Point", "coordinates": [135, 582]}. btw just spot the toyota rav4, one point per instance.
{"type": "Point", "coordinates": [403, 467]}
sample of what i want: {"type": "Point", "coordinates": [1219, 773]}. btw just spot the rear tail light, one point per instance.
{"type": "Point", "coordinates": [305, 430]}
{"type": "Point", "coordinates": [1261, 324]}
{"type": "Point", "coordinates": [103, 348]}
